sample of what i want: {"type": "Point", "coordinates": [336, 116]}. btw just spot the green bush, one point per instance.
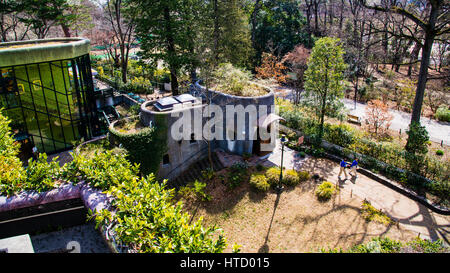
{"type": "Point", "coordinates": [303, 175]}
{"type": "Point", "coordinates": [325, 191]}
{"type": "Point", "coordinates": [440, 152]}
{"type": "Point", "coordinates": [291, 178]}
{"type": "Point", "coordinates": [387, 245]}
{"type": "Point", "coordinates": [273, 175]}
{"type": "Point", "coordinates": [40, 174]}
{"type": "Point", "coordinates": [195, 190]}
{"type": "Point", "coordinates": [101, 170]}
{"type": "Point", "coordinates": [340, 134]}
{"type": "Point", "coordinates": [237, 174]}
{"type": "Point", "coordinates": [443, 114]}
{"type": "Point", "coordinates": [152, 139]}
{"type": "Point", "coordinates": [146, 220]}
{"type": "Point", "coordinates": [259, 182]}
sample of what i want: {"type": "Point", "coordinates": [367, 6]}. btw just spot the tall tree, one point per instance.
{"type": "Point", "coordinates": [42, 15]}
{"type": "Point", "coordinates": [165, 30]}
{"type": "Point", "coordinates": [323, 79]}
{"type": "Point", "coordinates": [121, 16]}
{"type": "Point", "coordinates": [432, 17]}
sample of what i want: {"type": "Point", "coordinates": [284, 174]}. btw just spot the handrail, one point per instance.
{"type": "Point", "coordinates": [106, 117]}
{"type": "Point", "coordinates": [185, 161]}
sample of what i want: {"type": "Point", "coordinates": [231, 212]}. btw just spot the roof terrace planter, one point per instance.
{"type": "Point", "coordinates": [264, 104]}
{"type": "Point", "coordinates": [44, 50]}
{"type": "Point", "coordinates": [145, 144]}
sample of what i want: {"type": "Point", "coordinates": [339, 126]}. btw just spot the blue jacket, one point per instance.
{"type": "Point", "coordinates": [343, 163]}
{"type": "Point", "coordinates": [354, 163]}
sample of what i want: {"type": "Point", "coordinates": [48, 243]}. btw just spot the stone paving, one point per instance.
{"type": "Point", "coordinates": [409, 213]}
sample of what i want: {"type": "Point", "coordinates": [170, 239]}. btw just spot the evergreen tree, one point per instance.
{"type": "Point", "coordinates": [323, 79]}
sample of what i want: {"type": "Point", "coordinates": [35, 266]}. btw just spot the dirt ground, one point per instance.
{"type": "Point", "coordinates": [294, 221]}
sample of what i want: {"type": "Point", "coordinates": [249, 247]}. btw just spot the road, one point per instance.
{"type": "Point", "coordinates": [437, 131]}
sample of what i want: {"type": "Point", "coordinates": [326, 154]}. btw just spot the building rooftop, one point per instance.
{"type": "Point", "coordinates": [168, 103]}
{"type": "Point", "coordinates": [44, 50]}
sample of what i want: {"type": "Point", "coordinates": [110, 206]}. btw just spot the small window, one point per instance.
{"type": "Point", "coordinates": [192, 139]}
{"type": "Point", "coordinates": [37, 85]}
{"type": "Point", "coordinates": [21, 88]}
{"type": "Point", "coordinates": [166, 159]}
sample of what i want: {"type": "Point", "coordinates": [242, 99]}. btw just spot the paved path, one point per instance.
{"type": "Point", "coordinates": [438, 131]}
{"type": "Point", "coordinates": [409, 213]}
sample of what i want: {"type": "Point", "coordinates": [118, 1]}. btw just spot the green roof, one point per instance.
{"type": "Point", "coordinates": [36, 51]}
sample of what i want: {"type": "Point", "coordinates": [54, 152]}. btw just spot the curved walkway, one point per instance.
{"type": "Point", "coordinates": [407, 212]}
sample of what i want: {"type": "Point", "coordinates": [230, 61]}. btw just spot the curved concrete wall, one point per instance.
{"type": "Point", "coordinates": [223, 99]}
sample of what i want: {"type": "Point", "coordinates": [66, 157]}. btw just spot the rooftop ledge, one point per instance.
{"type": "Point", "coordinates": [44, 50]}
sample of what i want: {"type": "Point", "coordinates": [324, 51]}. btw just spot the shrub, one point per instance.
{"type": "Point", "coordinates": [260, 167]}
{"type": "Point", "coordinates": [303, 175]}
{"type": "Point", "coordinates": [40, 175]}
{"type": "Point", "coordinates": [102, 170]}
{"type": "Point", "coordinates": [427, 246]}
{"type": "Point", "coordinates": [325, 191]}
{"type": "Point", "coordinates": [259, 182]}
{"type": "Point", "coordinates": [341, 134]}
{"type": "Point", "coordinates": [235, 81]}
{"type": "Point", "coordinates": [290, 178]}
{"type": "Point", "coordinates": [195, 190]}
{"type": "Point", "coordinates": [145, 139]}
{"type": "Point", "coordinates": [273, 175]}
{"type": "Point", "coordinates": [372, 214]}
{"type": "Point", "coordinates": [146, 220]}
{"type": "Point", "coordinates": [440, 152]}
{"type": "Point", "coordinates": [378, 245]}
{"type": "Point", "coordinates": [443, 114]}
{"type": "Point", "coordinates": [237, 173]}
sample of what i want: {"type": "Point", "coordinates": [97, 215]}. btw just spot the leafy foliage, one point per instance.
{"type": "Point", "coordinates": [443, 113]}
{"type": "Point", "coordinates": [323, 79]}
{"type": "Point", "coordinates": [259, 182]}
{"type": "Point", "coordinates": [147, 221]}
{"type": "Point", "coordinates": [325, 191]}
{"type": "Point", "coordinates": [387, 245]}
{"type": "Point", "coordinates": [238, 173]}
{"type": "Point", "coordinates": [101, 170]}
{"type": "Point", "coordinates": [235, 81]}
{"type": "Point", "coordinates": [195, 190]}
{"type": "Point", "coordinates": [145, 139]}
{"type": "Point", "coordinates": [372, 214]}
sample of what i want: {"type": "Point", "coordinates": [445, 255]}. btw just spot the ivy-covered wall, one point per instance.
{"type": "Point", "coordinates": [145, 147]}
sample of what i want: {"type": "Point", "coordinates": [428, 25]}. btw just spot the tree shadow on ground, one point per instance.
{"type": "Point", "coordinates": [265, 247]}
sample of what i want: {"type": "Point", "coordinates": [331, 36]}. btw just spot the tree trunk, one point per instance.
{"type": "Point", "coordinates": [171, 50]}
{"type": "Point", "coordinates": [423, 74]}
{"type": "Point", "coordinates": [66, 30]}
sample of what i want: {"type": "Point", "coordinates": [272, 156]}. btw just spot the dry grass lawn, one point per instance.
{"type": "Point", "coordinates": [294, 221]}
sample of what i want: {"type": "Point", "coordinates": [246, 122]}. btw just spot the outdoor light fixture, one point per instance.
{"type": "Point", "coordinates": [279, 188]}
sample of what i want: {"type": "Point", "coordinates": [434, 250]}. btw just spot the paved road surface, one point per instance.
{"type": "Point", "coordinates": [437, 131]}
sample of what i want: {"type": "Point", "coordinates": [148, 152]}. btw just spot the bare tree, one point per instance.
{"type": "Point", "coordinates": [121, 20]}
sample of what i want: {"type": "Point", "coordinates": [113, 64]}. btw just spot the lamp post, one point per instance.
{"type": "Point", "coordinates": [279, 188]}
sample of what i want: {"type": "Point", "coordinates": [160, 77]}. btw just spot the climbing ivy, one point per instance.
{"type": "Point", "coordinates": [145, 147]}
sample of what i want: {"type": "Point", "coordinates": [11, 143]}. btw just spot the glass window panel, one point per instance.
{"type": "Point", "coordinates": [57, 129]}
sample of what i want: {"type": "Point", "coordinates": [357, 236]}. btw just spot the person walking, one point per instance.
{"type": "Point", "coordinates": [343, 165]}
{"type": "Point", "coordinates": [353, 167]}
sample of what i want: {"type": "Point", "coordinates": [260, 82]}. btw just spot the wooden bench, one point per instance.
{"type": "Point", "coordinates": [354, 119]}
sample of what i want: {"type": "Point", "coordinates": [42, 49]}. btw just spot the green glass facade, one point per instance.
{"type": "Point", "coordinates": [50, 103]}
